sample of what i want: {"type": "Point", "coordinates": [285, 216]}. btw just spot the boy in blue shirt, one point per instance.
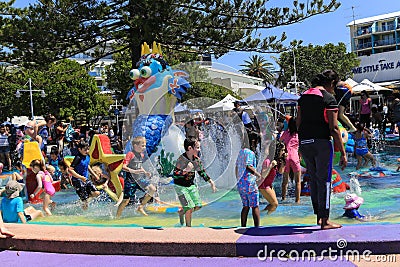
{"type": "Point", "coordinates": [80, 170]}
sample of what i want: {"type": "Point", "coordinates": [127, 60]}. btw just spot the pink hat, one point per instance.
{"type": "Point", "coordinates": [352, 201]}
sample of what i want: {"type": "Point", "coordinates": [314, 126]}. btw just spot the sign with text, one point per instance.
{"type": "Point", "coordinates": [378, 67]}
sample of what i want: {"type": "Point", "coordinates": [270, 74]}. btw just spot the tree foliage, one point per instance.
{"type": "Point", "coordinates": [72, 90]}
{"type": "Point", "coordinates": [258, 66]}
{"type": "Point", "coordinates": [68, 87]}
{"type": "Point", "coordinates": [50, 30]}
{"type": "Point", "coordinates": [10, 82]}
{"type": "Point", "coordinates": [117, 75]}
{"type": "Point", "coordinates": [311, 60]}
{"type": "Point", "coordinates": [205, 89]}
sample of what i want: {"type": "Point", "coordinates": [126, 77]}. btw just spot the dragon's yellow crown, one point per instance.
{"type": "Point", "coordinates": [156, 49]}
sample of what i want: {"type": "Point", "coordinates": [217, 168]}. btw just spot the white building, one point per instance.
{"type": "Point", "coordinates": [376, 41]}
{"type": "Point", "coordinates": [239, 83]}
{"type": "Point", "coordinates": [97, 70]}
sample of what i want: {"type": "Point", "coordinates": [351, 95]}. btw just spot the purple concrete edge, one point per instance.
{"type": "Point", "coordinates": [24, 258]}
{"type": "Point", "coordinates": [379, 239]}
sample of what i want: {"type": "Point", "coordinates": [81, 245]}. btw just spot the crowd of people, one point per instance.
{"type": "Point", "coordinates": [55, 143]}
{"type": "Point", "coordinates": [313, 136]}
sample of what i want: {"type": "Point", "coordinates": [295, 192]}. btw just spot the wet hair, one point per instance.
{"type": "Point", "coordinates": [359, 126]}
{"type": "Point", "coordinates": [82, 144]}
{"type": "Point", "coordinates": [138, 140]}
{"type": "Point", "coordinates": [189, 142]}
{"type": "Point", "coordinates": [50, 168]}
{"type": "Point", "coordinates": [191, 122]}
{"type": "Point", "coordinates": [54, 150]}
{"type": "Point", "coordinates": [280, 159]}
{"type": "Point", "coordinates": [63, 163]}
{"type": "Point", "coordinates": [50, 118]}
{"type": "Point", "coordinates": [325, 78]}
{"type": "Point", "coordinates": [38, 163]}
{"type": "Point", "coordinates": [292, 125]}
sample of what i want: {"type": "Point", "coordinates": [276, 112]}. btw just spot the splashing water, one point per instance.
{"type": "Point", "coordinates": [355, 185]}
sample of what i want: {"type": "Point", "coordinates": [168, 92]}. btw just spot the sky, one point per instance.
{"type": "Point", "coordinates": [321, 29]}
{"type": "Point", "coordinates": [317, 30]}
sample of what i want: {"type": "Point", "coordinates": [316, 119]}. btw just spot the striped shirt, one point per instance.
{"type": "Point", "coordinates": [4, 140]}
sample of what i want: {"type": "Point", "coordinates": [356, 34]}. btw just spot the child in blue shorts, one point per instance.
{"type": "Point", "coordinates": [247, 175]}
{"type": "Point", "coordinates": [136, 177]}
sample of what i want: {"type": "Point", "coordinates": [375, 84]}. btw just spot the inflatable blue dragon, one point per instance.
{"type": "Point", "coordinates": [155, 92]}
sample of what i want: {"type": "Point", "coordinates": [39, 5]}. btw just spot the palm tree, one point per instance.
{"type": "Point", "coordinates": [257, 66]}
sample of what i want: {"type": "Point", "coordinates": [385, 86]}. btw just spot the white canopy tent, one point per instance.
{"type": "Point", "coordinates": [23, 120]}
{"type": "Point", "coordinates": [224, 104]}
{"type": "Point", "coordinates": [351, 82]}
{"type": "Point", "coordinates": [374, 91]}
{"type": "Point", "coordinates": [183, 108]}
{"type": "Point", "coordinates": [368, 86]}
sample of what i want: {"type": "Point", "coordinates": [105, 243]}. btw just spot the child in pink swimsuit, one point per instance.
{"type": "Point", "coordinates": [268, 173]}
{"type": "Point", "coordinates": [44, 181]}
{"type": "Point", "coordinates": [291, 140]}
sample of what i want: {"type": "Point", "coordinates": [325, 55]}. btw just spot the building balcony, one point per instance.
{"type": "Point", "coordinates": [367, 45]}
{"type": "Point", "coordinates": [384, 43]}
{"type": "Point", "coordinates": [363, 32]}
{"type": "Point", "coordinates": [386, 28]}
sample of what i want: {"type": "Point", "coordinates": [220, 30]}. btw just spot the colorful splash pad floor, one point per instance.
{"type": "Point", "coordinates": [215, 232]}
{"type": "Point", "coordinates": [215, 236]}
{"type": "Point", "coordinates": [381, 202]}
